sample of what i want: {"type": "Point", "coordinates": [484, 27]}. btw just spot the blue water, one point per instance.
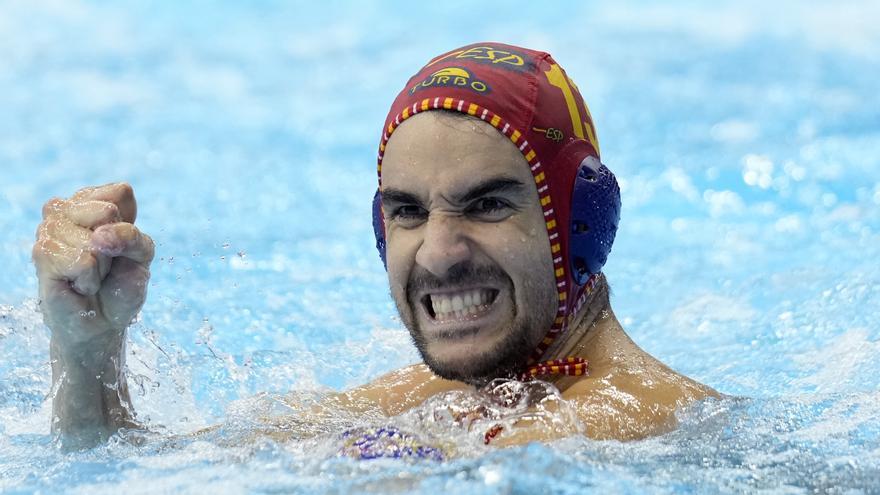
{"type": "Point", "coordinates": [746, 139]}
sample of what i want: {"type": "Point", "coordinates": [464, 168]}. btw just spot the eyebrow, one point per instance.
{"type": "Point", "coordinates": [489, 186]}
{"type": "Point", "coordinates": [392, 196]}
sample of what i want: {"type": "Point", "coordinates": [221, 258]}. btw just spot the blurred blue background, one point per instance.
{"type": "Point", "coordinates": [745, 137]}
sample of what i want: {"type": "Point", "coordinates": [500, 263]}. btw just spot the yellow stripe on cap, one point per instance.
{"type": "Point", "coordinates": [472, 109]}
{"type": "Point", "coordinates": [447, 103]}
{"type": "Point", "coordinates": [515, 136]}
{"type": "Point", "coordinates": [405, 113]}
{"type": "Point", "coordinates": [530, 155]}
{"type": "Point", "coordinates": [551, 224]}
{"type": "Point", "coordinates": [539, 178]}
{"type": "Point", "coordinates": [425, 104]}
{"type": "Point", "coordinates": [545, 201]}
{"type": "Point", "coordinates": [495, 120]}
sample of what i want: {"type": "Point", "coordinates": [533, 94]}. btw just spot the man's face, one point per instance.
{"type": "Point", "coordinates": [468, 256]}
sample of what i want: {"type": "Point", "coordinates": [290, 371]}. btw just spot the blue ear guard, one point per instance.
{"type": "Point", "coordinates": [595, 213]}
{"type": "Point", "coordinates": [379, 227]}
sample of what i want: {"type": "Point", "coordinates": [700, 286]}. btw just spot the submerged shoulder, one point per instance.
{"type": "Point", "coordinates": [627, 405]}
{"type": "Point", "coordinates": [628, 394]}
{"type": "Point", "coordinates": [403, 389]}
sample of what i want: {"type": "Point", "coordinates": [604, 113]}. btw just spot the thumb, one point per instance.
{"type": "Point", "coordinates": [124, 291]}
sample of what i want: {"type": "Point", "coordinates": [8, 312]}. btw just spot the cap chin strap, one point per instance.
{"type": "Point", "coordinates": [570, 366]}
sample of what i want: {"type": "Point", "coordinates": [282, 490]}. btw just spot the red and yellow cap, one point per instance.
{"type": "Point", "coordinates": [527, 96]}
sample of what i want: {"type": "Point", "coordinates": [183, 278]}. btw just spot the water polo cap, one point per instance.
{"type": "Point", "coordinates": [528, 98]}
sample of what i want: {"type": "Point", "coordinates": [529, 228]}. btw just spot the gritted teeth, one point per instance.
{"type": "Point", "coordinates": [456, 305]}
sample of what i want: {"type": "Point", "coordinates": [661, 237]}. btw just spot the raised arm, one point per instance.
{"type": "Point", "coordinates": [93, 267]}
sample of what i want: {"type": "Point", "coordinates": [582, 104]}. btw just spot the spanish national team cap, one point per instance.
{"type": "Point", "coordinates": [529, 98]}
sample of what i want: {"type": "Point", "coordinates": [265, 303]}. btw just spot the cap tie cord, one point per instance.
{"type": "Point", "coordinates": [571, 366]}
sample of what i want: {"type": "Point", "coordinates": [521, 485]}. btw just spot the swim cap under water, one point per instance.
{"type": "Point", "coordinates": [529, 98]}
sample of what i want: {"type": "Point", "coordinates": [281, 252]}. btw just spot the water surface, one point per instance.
{"type": "Point", "coordinates": [745, 138]}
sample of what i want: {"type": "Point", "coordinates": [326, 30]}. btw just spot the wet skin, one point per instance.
{"type": "Point", "coordinates": [93, 267]}
{"type": "Point", "coordinates": [463, 222]}
{"type": "Point", "coordinates": [462, 217]}
{"type": "Point", "coordinates": [433, 225]}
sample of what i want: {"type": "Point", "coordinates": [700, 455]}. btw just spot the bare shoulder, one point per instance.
{"type": "Point", "coordinates": [402, 389]}
{"type": "Point", "coordinates": [633, 403]}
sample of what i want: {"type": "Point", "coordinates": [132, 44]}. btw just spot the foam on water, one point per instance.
{"type": "Point", "coordinates": [745, 138]}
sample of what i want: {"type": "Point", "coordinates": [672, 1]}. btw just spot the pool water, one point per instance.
{"type": "Point", "coordinates": [745, 137]}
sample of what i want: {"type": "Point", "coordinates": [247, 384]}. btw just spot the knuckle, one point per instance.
{"type": "Point", "coordinates": [55, 229]}
{"type": "Point", "coordinates": [52, 206]}
{"type": "Point", "coordinates": [110, 212]}
{"type": "Point", "coordinates": [42, 249]}
{"type": "Point", "coordinates": [125, 191]}
{"type": "Point", "coordinates": [123, 195]}
{"type": "Point", "coordinates": [125, 188]}
{"type": "Point", "coordinates": [42, 230]}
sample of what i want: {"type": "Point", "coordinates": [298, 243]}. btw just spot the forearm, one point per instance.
{"type": "Point", "coordinates": [90, 393]}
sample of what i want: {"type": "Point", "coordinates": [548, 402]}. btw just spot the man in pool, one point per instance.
{"type": "Point", "coordinates": [494, 217]}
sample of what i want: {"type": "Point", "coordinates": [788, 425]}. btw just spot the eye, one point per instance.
{"type": "Point", "coordinates": [408, 216]}
{"type": "Point", "coordinates": [490, 209]}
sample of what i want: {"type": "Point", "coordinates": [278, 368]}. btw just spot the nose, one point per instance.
{"type": "Point", "coordinates": [444, 244]}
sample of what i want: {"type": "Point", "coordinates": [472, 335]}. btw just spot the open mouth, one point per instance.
{"type": "Point", "coordinates": [458, 306]}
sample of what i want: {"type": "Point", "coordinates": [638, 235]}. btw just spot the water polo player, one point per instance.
{"type": "Point", "coordinates": [494, 217]}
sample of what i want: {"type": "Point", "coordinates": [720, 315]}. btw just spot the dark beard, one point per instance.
{"type": "Point", "coordinates": [507, 359]}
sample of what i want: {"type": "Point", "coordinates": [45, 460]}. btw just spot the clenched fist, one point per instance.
{"type": "Point", "coordinates": [93, 268]}
{"type": "Point", "coordinates": [92, 264]}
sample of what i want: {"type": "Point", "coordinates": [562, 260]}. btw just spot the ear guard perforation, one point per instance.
{"type": "Point", "coordinates": [595, 214]}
